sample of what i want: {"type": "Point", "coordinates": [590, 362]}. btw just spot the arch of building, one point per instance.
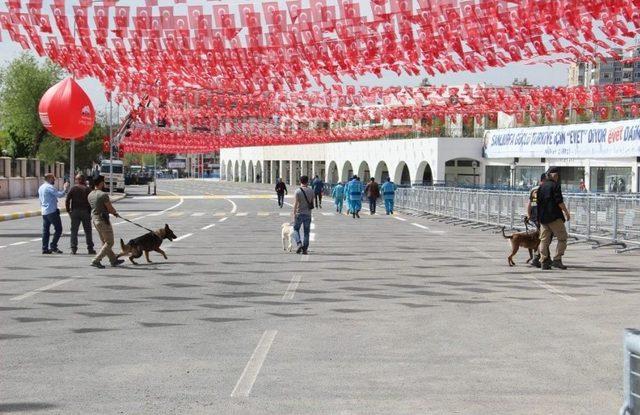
{"type": "Point", "coordinates": [332, 173]}
{"type": "Point", "coordinates": [424, 174]}
{"type": "Point", "coordinates": [259, 173]}
{"type": "Point", "coordinates": [382, 172]}
{"type": "Point", "coordinates": [243, 171]}
{"type": "Point", "coordinates": [347, 171]}
{"type": "Point", "coordinates": [236, 172]}
{"type": "Point", "coordinates": [402, 175]}
{"type": "Point", "coordinates": [229, 171]}
{"type": "Point", "coordinates": [250, 174]}
{"type": "Point", "coordinates": [364, 173]}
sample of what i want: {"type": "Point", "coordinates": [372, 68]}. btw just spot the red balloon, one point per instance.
{"type": "Point", "coordinates": [66, 110]}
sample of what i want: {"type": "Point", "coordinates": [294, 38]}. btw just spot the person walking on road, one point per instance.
{"type": "Point", "coordinates": [77, 204]}
{"type": "Point", "coordinates": [338, 196]}
{"type": "Point", "coordinates": [388, 194]}
{"type": "Point", "coordinates": [302, 207]}
{"type": "Point", "coordinates": [101, 207]}
{"type": "Point", "coordinates": [49, 196]}
{"type": "Point", "coordinates": [373, 193]}
{"type": "Point", "coordinates": [347, 197]}
{"type": "Point", "coordinates": [318, 188]}
{"type": "Point", "coordinates": [281, 190]}
{"type": "Point", "coordinates": [355, 194]}
{"type": "Point", "coordinates": [552, 213]}
{"type": "Point", "coordinates": [532, 215]}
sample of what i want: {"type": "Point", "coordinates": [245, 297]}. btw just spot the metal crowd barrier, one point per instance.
{"type": "Point", "coordinates": [599, 219]}
{"type": "Point", "coordinates": [631, 380]}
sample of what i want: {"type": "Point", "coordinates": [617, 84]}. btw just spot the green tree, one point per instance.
{"type": "Point", "coordinates": [87, 151]}
{"type": "Point", "coordinates": [22, 84]}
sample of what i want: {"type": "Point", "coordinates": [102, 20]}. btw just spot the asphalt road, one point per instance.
{"type": "Point", "coordinates": [387, 315]}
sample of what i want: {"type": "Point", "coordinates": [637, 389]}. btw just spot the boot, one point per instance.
{"type": "Point", "coordinates": [546, 265]}
{"type": "Point", "coordinates": [536, 262]}
{"type": "Point", "coordinates": [557, 263]}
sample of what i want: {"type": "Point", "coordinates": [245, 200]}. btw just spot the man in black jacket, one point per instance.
{"type": "Point", "coordinates": [281, 190]}
{"type": "Point", "coordinates": [552, 213]}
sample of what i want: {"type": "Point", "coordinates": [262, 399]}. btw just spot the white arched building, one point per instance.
{"type": "Point", "coordinates": [421, 160]}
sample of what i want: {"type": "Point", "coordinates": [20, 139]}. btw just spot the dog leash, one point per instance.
{"type": "Point", "coordinates": [137, 224]}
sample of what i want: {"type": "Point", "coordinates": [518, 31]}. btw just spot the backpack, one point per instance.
{"type": "Point", "coordinates": [304, 194]}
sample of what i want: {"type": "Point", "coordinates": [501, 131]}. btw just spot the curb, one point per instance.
{"type": "Point", "coordinates": [29, 214]}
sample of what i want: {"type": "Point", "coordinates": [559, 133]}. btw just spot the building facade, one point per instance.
{"type": "Point", "coordinates": [600, 157]}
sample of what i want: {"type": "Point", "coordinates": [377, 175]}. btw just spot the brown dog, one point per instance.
{"type": "Point", "coordinates": [528, 239]}
{"type": "Point", "coordinates": [146, 243]}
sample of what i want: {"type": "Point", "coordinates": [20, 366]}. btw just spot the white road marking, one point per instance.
{"type": "Point", "coordinates": [285, 214]}
{"type": "Point", "coordinates": [197, 214]}
{"type": "Point", "coordinates": [3, 246]}
{"type": "Point", "coordinates": [223, 219]}
{"type": "Point", "coordinates": [312, 236]}
{"type": "Point", "coordinates": [235, 207]}
{"type": "Point", "coordinates": [420, 226]}
{"type": "Point", "coordinates": [242, 214]}
{"type": "Point", "coordinates": [399, 218]}
{"type": "Point", "coordinates": [263, 213]}
{"type": "Point", "coordinates": [313, 225]}
{"type": "Point", "coordinates": [327, 214]}
{"type": "Point", "coordinates": [218, 214]}
{"type": "Point", "coordinates": [208, 227]}
{"type": "Point", "coordinates": [35, 239]}
{"type": "Point", "coordinates": [169, 208]}
{"type": "Point", "coordinates": [551, 289]}
{"type": "Point", "coordinates": [536, 281]}
{"type": "Point", "coordinates": [41, 289]}
{"type": "Point", "coordinates": [291, 289]}
{"type": "Point", "coordinates": [18, 243]}
{"type": "Point", "coordinates": [251, 370]}
{"type": "Point", "coordinates": [175, 214]}
{"type": "Point", "coordinates": [182, 237]}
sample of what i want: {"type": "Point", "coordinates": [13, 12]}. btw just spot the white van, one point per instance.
{"type": "Point", "coordinates": [118, 174]}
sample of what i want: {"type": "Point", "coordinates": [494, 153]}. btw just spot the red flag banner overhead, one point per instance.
{"type": "Point", "coordinates": [278, 52]}
{"type": "Point", "coordinates": [66, 111]}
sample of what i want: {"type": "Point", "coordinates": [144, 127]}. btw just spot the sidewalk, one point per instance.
{"type": "Point", "coordinates": [26, 208]}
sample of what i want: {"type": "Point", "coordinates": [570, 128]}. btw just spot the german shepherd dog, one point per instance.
{"type": "Point", "coordinates": [146, 243]}
{"type": "Point", "coordinates": [527, 239]}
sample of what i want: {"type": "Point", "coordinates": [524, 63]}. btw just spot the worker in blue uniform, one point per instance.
{"type": "Point", "coordinates": [355, 194]}
{"type": "Point", "coordinates": [388, 194]}
{"type": "Point", "coordinates": [338, 196]}
{"type": "Point", "coordinates": [346, 195]}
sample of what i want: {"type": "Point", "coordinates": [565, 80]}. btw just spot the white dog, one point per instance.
{"type": "Point", "coordinates": [287, 237]}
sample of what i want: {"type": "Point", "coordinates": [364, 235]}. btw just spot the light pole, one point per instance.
{"type": "Point", "coordinates": [110, 146]}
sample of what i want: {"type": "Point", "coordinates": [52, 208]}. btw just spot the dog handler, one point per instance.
{"type": "Point", "coordinates": [388, 194]}
{"type": "Point", "coordinates": [338, 196]}
{"type": "Point", "coordinates": [532, 215]}
{"type": "Point", "coordinates": [101, 207]}
{"type": "Point", "coordinates": [552, 213]}
{"type": "Point", "coordinates": [302, 212]}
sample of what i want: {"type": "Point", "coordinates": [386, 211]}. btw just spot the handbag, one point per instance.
{"type": "Point", "coordinates": [305, 198]}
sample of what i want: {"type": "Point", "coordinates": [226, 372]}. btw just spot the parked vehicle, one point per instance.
{"type": "Point", "coordinates": [118, 174]}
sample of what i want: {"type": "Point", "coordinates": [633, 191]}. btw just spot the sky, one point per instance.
{"type": "Point", "coordinates": [539, 74]}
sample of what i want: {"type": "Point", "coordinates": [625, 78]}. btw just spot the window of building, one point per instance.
{"type": "Point", "coordinates": [497, 176]}
{"type": "Point", "coordinates": [610, 179]}
{"type": "Point", "coordinates": [528, 176]}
